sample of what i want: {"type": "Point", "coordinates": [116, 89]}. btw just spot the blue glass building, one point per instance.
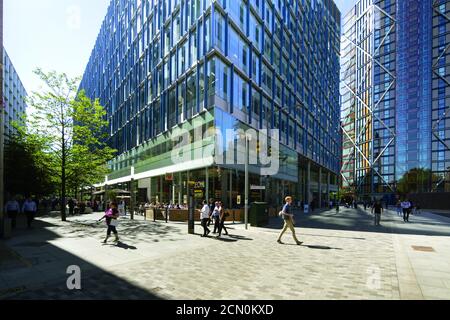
{"type": "Point", "coordinates": [14, 95]}
{"type": "Point", "coordinates": [394, 86]}
{"type": "Point", "coordinates": [198, 65]}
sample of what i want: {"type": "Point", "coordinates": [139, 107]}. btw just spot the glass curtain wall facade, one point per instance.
{"type": "Point", "coordinates": [14, 95]}
{"type": "Point", "coordinates": [391, 86]}
{"type": "Point", "coordinates": [440, 92]}
{"type": "Point", "coordinates": [202, 65]}
{"type": "Point", "coordinates": [368, 95]}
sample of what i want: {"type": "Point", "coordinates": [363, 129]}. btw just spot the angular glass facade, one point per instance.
{"type": "Point", "coordinates": [201, 64]}
{"type": "Point", "coordinates": [390, 84]}
{"type": "Point", "coordinates": [14, 95]}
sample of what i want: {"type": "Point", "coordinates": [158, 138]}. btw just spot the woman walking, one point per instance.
{"type": "Point", "coordinates": [216, 216]}
{"type": "Point", "coordinates": [222, 218]}
{"type": "Point", "coordinates": [111, 216]}
{"type": "Point", "coordinates": [288, 217]}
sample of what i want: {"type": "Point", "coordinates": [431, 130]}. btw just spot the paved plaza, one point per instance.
{"type": "Point", "coordinates": [344, 256]}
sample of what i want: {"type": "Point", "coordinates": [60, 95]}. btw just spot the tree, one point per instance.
{"type": "Point", "coordinates": [25, 163]}
{"type": "Point", "coordinates": [76, 128]}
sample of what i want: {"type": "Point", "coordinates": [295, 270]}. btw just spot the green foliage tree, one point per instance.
{"type": "Point", "coordinates": [75, 127]}
{"type": "Point", "coordinates": [26, 172]}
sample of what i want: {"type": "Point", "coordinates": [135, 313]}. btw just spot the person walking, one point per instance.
{"type": "Point", "coordinates": [205, 217]}
{"type": "Point", "coordinates": [29, 208]}
{"type": "Point", "coordinates": [399, 208]}
{"type": "Point", "coordinates": [406, 206]}
{"type": "Point", "coordinates": [216, 215]}
{"type": "Point", "coordinates": [111, 217]}
{"type": "Point", "coordinates": [288, 217]}
{"type": "Point", "coordinates": [222, 218]}
{"type": "Point", "coordinates": [71, 204]}
{"type": "Point", "coordinates": [378, 210]}
{"type": "Point", "coordinates": [211, 210]}
{"type": "Point", "coordinates": [417, 208]}
{"type": "Point", "coordinates": [12, 208]}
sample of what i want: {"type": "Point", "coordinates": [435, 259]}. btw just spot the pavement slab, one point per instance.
{"type": "Point", "coordinates": [344, 256]}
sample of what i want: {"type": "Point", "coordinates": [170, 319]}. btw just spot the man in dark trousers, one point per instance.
{"type": "Point", "coordinates": [378, 210]}
{"type": "Point", "coordinates": [71, 204]}
{"type": "Point", "coordinates": [29, 208]}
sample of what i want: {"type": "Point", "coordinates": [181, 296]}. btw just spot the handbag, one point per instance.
{"type": "Point", "coordinates": [114, 222]}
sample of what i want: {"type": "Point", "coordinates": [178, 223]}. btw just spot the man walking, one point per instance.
{"type": "Point", "coordinates": [204, 216]}
{"type": "Point", "coordinates": [406, 206]}
{"type": "Point", "coordinates": [378, 210]}
{"type": "Point", "coordinates": [71, 204]}
{"type": "Point", "coordinates": [12, 208]}
{"type": "Point", "coordinates": [288, 217]}
{"type": "Point", "coordinates": [29, 208]}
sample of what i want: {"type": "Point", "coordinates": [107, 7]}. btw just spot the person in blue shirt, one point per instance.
{"type": "Point", "coordinates": [12, 208]}
{"type": "Point", "coordinates": [288, 216]}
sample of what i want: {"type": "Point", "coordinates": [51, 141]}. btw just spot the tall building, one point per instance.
{"type": "Point", "coordinates": [394, 87]}
{"type": "Point", "coordinates": [207, 66]}
{"type": "Point", "coordinates": [14, 95]}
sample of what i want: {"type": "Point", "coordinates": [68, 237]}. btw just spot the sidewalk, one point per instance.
{"type": "Point", "coordinates": [343, 257]}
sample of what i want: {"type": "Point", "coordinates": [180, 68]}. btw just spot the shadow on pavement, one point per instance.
{"type": "Point", "coordinates": [361, 220]}
{"type": "Point", "coordinates": [50, 263]}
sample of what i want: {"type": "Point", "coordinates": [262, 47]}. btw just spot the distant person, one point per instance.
{"type": "Point", "coordinates": [222, 218]}
{"type": "Point", "coordinates": [399, 208]}
{"type": "Point", "coordinates": [417, 208]}
{"type": "Point", "coordinates": [288, 217]}
{"type": "Point", "coordinates": [12, 208]}
{"type": "Point", "coordinates": [205, 217]}
{"type": "Point", "coordinates": [29, 208]}
{"type": "Point", "coordinates": [111, 216]}
{"type": "Point", "coordinates": [406, 206]}
{"type": "Point", "coordinates": [378, 210]}
{"type": "Point", "coordinates": [71, 204]}
{"type": "Point", "coordinates": [216, 217]}
{"type": "Point", "coordinates": [122, 208]}
{"type": "Point", "coordinates": [211, 210]}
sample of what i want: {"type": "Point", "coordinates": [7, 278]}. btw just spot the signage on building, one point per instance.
{"type": "Point", "coordinates": [169, 176]}
{"type": "Point", "coordinates": [253, 187]}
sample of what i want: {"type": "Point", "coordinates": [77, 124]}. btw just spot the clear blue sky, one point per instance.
{"type": "Point", "coordinates": [58, 34]}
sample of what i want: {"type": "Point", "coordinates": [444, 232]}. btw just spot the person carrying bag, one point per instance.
{"type": "Point", "coordinates": [289, 222]}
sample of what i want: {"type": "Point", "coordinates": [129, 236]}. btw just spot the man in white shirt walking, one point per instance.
{"type": "Point", "coordinates": [406, 206]}
{"type": "Point", "coordinates": [204, 216]}
{"type": "Point", "coordinates": [29, 208]}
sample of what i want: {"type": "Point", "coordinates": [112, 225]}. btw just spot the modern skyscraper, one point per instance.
{"type": "Point", "coordinates": [201, 66]}
{"type": "Point", "coordinates": [14, 95]}
{"type": "Point", "coordinates": [394, 86]}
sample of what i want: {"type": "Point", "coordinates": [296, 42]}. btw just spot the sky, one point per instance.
{"type": "Point", "coordinates": [58, 35]}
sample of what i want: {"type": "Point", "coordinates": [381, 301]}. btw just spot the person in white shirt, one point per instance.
{"type": "Point", "coordinates": [29, 208]}
{"type": "Point", "coordinates": [12, 208]}
{"type": "Point", "coordinates": [406, 206]}
{"type": "Point", "coordinates": [204, 216]}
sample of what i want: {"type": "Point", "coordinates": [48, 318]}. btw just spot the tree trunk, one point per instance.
{"type": "Point", "coordinates": [63, 177]}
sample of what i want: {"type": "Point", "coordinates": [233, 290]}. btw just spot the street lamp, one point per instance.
{"type": "Point", "coordinates": [247, 140]}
